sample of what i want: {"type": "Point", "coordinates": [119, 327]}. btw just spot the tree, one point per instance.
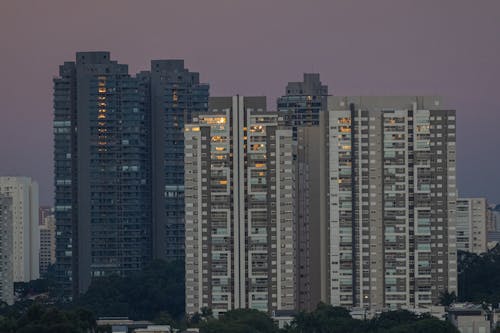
{"type": "Point", "coordinates": [143, 295]}
{"type": "Point", "coordinates": [478, 278]}
{"type": "Point", "coordinates": [240, 321]}
{"type": "Point", "coordinates": [446, 298]}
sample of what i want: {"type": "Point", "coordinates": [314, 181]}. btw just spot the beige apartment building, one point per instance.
{"type": "Point", "coordinates": [239, 197]}
{"type": "Point", "coordinates": [377, 203]}
{"type": "Point", "coordinates": [23, 192]}
{"type": "Point", "coordinates": [472, 223]}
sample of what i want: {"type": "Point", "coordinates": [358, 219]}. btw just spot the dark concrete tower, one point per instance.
{"type": "Point", "coordinates": [176, 93]}
{"type": "Point", "coordinates": [102, 171]}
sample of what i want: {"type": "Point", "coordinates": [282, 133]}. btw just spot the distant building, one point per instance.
{"type": "Point", "coordinates": [379, 191]}
{"type": "Point", "coordinates": [472, 225]}
{"type": "Point", "coordinates": [6, 253]}
{"type": "Point", "coordinates": [301, 107]}
{"type": "Point", "coordinates": [469, 318]}
{"type": "Point", "coordinates": [26, 234]}
{"type": "Point", "coordinates": [119, 152]}
{"type": "Point", "coordinates": [240, 227]}
{"type": "Point", "coordinates": [154, 329]}
{"type": "Point", "coordinates": [303, 101]}
{"type": "Point", "coordinates": [494, 218]}
{"type": "Point", "coordinates": [176, 94]}
{"type": "Point", "coordinates": [43, 212]}
{"type": "Point", "coordinates": [102, 171]}
{"type": "Point", "coordinates": [47, 242]}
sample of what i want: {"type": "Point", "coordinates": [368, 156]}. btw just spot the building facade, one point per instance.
{"type": "Point", "coordinates": [23, 192]}
{"type": "Point", "coordinates": [472, 223]}
{"type": "Point", "coordinates": [47, 242]}
{"type": "Point", "coordinates": [102, 171]}
{"type": "Point", "coordinates": [386, 219]}
{"type": "Point", "coordinates": [240, 230]}
{"type": "Point", "coordinates": [301, 107]}
{"type": "Point", "coordinates": [176, 93]}
{"type": "Point", "coordinates": [303, 102]}
{"type": "Point", "coordinates": [6, 253]}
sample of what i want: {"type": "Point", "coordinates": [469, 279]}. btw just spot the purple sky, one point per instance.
{"type": "Point", "coordinates": [447, 47]}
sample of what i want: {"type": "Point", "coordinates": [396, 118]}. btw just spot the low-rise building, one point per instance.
{"type": "Point", "coordinates": [469, 318]}
{"type": "Point", "coordinates": [155, 329]}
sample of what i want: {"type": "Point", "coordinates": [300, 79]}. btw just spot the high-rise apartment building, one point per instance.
{"type": "Point", "coordinates": [384, 171]}
{"type": "Point", "coordinates": [43, 212]}
{"type": "Point", "coordinates": [301, 107]}
{"type": "Point", "coordinates": [47, 242]}
{"type": "Point", "coordinates": [6, 253]}
{"type": "Point", "coordinates": [471, 223]}
{"type": "Point", "coordinates": [119, 155]}
{"type": "Point", "coordinates": [176, 93]}
{"type": "Point", "coordinates": [23, 192]}
{"type": "Point", "coordinates": [303, 101]}
{"type": "Point", "coordinates": [239, 199]}
{"type": "Point", "coordinates": [102, 171]}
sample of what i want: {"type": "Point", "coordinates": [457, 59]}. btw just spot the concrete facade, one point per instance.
{"type": "Point", "coordinates": [472, 224]}
{"type": "Point", "coordinates": [102, 171]}
{"type": "Point", "coordinates": [6, 254]}
{"type": "Point", "coordinates": [240, 229]}
{"type": "Point", "coordinates": [47, 242]}
{"type": "Point", "coordinates": [387, 213]}
{"type": "Point", "coordinates": [26, 234]}
{"type": "Point", "coordinates": [176, 94]}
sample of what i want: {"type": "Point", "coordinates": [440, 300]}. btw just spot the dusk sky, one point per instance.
{"type": "Point", "coordinates": [448, 47]}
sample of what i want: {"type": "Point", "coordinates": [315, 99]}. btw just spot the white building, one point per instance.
{"type": "Point", "coordinates": [472, 223]}
{"type": "Point", "coordinates": [239, 197]}
{"type": "Point", "coordinates": [6, 274]}
{"type": "Point", "coordinates": [23, 192]}
{"type": "Point", "coordinates": [47, 242]}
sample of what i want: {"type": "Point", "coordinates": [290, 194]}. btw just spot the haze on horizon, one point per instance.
{"type": "Point", "coordinates": [388, 47]}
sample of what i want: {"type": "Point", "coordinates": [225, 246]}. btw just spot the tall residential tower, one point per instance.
{"type": "Point", "coordinates": [472, 223]}
{"type": "Point", "coordinates": [386, 214]}
{"type": "Point", "coordinates": [6, 253]}
{"type": "Point", "coordinates": [23, 192]}
{"type": "Point", "coordinates": [102, 171]}
{"type": "Point", "coordinates": [240, 228]}
{"type": "Point", "coordinates": [176, 93]}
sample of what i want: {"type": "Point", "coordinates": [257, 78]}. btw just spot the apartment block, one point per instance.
{"type": "Point", "coordinates": [102, 171]}
{"type": "Point", "coordinates": [23, 192]}
{"type": "Point", "coordinates": [176, 94]}
{"type": "Point", "coordinates": [303, 102]}
{"type": "Point", "coordinates": [6, 253]}
{"type": "Point", "coordinates": [239, 199]}
{"type": "Point", "coordinates": [384, 170]}
{"type": "Point", "coordinates": [472, 223]}
{"type": "Point", "coordinates": [47, 242]}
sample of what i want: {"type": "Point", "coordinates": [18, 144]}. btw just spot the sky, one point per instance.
{"type": "Point", "coordinates": [385, 47]}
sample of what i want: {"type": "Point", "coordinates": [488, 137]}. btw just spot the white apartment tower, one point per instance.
{"type": "Point", "coordinates": [23, 192]}
{"type": "Point", "coordinates": [6, 274]}
{"type": "Point", "coordinates": [239, 197]}
{"type": "Point", "coordinates": [385, 220]}
{"type": "Point", "coordinates": [47, 242]}
{"type": "Point", "coordinates": [472, 223]}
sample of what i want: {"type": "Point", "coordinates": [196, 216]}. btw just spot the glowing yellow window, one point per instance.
{"type": "Point", "coordinates": [223, 182]}
{"type": "Point", "coordinates": [220, 148]}
{"type": "Point", "coordinates": [215, 120]}
{"type": "Point", "coordinates": [102, 90]}
{"type": "Point", "coordinates": [260, 165]}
